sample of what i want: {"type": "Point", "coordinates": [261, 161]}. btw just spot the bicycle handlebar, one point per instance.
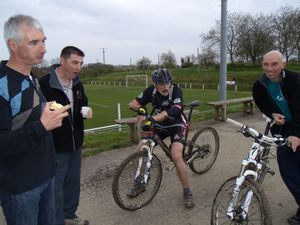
{"type": "Point", "coordinates": [259, 136]}
{"type": "Point", "coordinates": [245, 128]}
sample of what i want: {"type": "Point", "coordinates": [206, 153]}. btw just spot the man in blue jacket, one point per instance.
{"type": "Point", "coordinates": [277, 95]}
{"type": "Point", "coordinates": [27, 156]}
{"type": "Point", "coordinates": [62, 84]}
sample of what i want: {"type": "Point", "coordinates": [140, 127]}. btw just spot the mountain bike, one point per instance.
{"type": "Point", "coordinates": [144, 167]}
{"type": "Point", "coordinates": [241, 199]}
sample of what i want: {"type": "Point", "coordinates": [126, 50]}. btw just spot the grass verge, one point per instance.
{"type": "Point", "coordinates": [105, 141]}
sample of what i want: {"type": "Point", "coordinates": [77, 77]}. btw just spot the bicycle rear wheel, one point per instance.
{"type": "Point", "coordinates": [124, 177]}
{"type": "Point", "coordinates": [258, 212]}
{"type": "Point", "coordinates": [205, 148]}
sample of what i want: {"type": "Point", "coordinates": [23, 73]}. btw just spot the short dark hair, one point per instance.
{"type": "Point", "coordinates": [68, 50]}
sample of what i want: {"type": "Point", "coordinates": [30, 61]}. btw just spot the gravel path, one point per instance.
{"type": "Point", "coordinates": [98, 206]}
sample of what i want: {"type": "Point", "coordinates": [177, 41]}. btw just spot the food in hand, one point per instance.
{"type": "Point", "coordinates": [55, 106]}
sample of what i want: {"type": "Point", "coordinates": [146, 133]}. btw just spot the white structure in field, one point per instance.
{"type": "Point", "coordinates": [137, 79]}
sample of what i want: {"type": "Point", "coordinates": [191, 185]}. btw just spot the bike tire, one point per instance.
{"type": "Point", "coordinates": [208, 139]}
{"type": "Point", "coordinates": [259, 212]}
{"type": "Point", "coordinates": [123, 181]}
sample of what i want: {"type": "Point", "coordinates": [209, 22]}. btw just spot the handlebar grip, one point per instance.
{"type": "Point", "coordinates": [235, 123]}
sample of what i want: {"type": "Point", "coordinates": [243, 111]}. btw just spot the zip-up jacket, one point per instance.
{"type": "Point", "coordinates": [290, 87]}
{"type": "Point", "coordinates": [68, 137]}
{"type": "Point", "coordinates": [27, 156]}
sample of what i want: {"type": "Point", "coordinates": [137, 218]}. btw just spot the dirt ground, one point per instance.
{"type": "Point", "coordinates": [97, 204]}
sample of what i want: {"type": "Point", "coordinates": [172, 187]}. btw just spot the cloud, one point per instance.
{"type": "Point", "coordinates": [128, 29]}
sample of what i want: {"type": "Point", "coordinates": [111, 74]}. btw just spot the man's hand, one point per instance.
{"type": "Point", "coordinates": [142, 111]}
{"type": "Point", "coordinates": [148, 124]}
{"type": "Point", "coordinates": [294, 142]}
{"type": "Point", "coordinates": [279, 119]}
{"type": "Point", "coordinates": [53, 119]}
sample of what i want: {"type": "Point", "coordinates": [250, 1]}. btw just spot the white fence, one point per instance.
{"type": "Point", "coordinates": [230, 85]}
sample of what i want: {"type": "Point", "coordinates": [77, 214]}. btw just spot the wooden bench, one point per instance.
{"type": "Point", "coordinates": [132, 122]}
{"type": "Point", "coordinates": [134, 127]}
{"type": "Point", "coordinates": [220, 106]}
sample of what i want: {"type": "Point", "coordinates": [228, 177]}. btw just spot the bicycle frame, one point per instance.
{"type": "Point", "coordinates": [149, 144]}
{"type": "Point", "coordinates": [253, 166]}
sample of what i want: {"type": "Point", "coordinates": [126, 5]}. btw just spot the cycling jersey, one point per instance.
{"type": "Point", "coordinates": [161, 103]}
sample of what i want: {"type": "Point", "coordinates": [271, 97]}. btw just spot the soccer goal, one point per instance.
{"type": "Point", "coordinates": [137, 80]}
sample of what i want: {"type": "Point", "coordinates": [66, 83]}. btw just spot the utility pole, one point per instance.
{"type": "Point", "coordinates": [198, 59]}
{"type": "Point", "coordinates": [103, 54]}
{"type": "Point", "coordinates": [158, 61]}
{"type": "Point", "coordinates": [223, 55]}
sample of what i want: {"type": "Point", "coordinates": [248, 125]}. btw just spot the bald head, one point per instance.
{"type": "Point", "coordinates": [274, 55]}
{"type": "Point", "coordinates": [273, 63]}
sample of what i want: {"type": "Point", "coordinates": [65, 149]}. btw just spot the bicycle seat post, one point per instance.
{"type": "Point", "coordinates": [190, 114]}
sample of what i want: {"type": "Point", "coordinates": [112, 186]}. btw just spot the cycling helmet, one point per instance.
{"type": "Point", "coordinates": [162, 76]}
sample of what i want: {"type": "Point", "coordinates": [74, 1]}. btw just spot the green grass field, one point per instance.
{"type": "Point", "coordinates": [104, 99]}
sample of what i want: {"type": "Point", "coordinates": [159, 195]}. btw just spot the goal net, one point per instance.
{"type": "Point", "coordinates": [136, 80]}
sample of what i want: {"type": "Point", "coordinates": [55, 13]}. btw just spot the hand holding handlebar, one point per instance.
{"type": "Point", "coordinates": [148, 124]}
{"type": "Point", "coordinates": [141, 111]}
{"type": "Point", "coordinates": [294, 142]}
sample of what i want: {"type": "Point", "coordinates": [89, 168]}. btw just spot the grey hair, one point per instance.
{"type": "Point", "coordinates": [12, 27]}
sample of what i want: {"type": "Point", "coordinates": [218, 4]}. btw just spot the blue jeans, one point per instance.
{"type": "Point", "coordinates": [34, 207]}
{"type": "Point", "coordinates": [67, 185]}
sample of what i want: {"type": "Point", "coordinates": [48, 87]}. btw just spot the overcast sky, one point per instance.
{"type": "Point", "coordinates": [128, 29]}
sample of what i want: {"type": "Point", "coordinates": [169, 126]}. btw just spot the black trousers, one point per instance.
{"type": "Point", "coordinates": [289, 166]}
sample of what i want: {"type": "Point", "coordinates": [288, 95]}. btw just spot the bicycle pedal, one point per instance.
{"type": "Point", "coordinates": [271, 172]}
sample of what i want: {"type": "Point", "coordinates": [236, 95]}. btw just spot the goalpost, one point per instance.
{"type": "Point", "coordinates": [137, 80]}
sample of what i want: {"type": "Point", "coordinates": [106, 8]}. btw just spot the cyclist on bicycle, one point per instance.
{"type": "Point", "coordinates": [167, 114]}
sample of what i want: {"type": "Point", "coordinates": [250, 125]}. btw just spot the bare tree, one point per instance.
{"type": "Point", "coordinates": [207, 57]}
{"type": "Point", "coordinates": [297, 34]}
{"type": "Point", "coordinates": [249, 37]}
{"type": "Point", "coordinates": [255, 38]}
{"type": "Point", "coordinates": [286, 29]}
{"type": "Point", "coordinates": [168, 59]}
{"type": "Point", "coordinates": [212, 39]}
{"type": "Point", "coordinates": [143, 63]}
{"type": "Point", "coordinates": [55, 61]}
{"type": "Point", "coordinates": [188, 61]}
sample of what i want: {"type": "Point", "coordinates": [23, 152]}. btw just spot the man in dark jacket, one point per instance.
{"type": "Point", "coordinates": [27, 156]}
{"type": "Point", "coordinates": [277, 95]}
{"type": "Point", "coordinates": [62, 84]}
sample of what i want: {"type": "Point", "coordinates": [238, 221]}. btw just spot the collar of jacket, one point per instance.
{"type": "Point", "coordinates": [19, 77]}
{"type": "Point", "coordinates": [53, 80]}
{"type": "Point", "coordinates": [264, 79]}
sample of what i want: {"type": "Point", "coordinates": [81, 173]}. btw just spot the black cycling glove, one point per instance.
{"type": "Point", "coordinates": [142, 111]}
{"type": "Point", "coordinates": [148, 124]}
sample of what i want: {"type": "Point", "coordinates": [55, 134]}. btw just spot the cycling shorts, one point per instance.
{"type": "Point", "coordinates": [177, 133]}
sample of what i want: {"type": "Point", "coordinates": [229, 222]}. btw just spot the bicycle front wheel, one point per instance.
{"type": "Point", "coordinates": [124, 180]}
{"type": "Point", "coordinates": [205, 148]}
{"type": "Point", "coordinates": [252, 205]}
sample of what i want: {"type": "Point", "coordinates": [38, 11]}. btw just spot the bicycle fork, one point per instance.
{"type": "Point", "coordinates": [146, 165]}
{"type": "Point", "coordinates": [249, 167]}
{"type": "Point", "coordinates": [243, 210]}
